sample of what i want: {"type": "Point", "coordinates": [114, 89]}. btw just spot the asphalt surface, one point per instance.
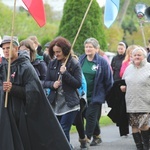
{"type": "Point", "coordinates": [111, 140]}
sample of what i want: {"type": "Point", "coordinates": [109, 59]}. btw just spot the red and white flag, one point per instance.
{"type": "Point", "coordinates": [36, 9]}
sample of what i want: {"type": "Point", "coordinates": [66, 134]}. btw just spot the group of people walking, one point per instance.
{"type": "Point", "coordinates": [46, 99]}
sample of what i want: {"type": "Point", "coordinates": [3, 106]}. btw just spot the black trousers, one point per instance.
{"type": "Point", "coordinates": [80, 124]}
{"type": "Point", "coordinates": [92, 115]}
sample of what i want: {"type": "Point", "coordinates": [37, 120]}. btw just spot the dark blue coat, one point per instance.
{"type": "Point", "coordinates": [103, 79]}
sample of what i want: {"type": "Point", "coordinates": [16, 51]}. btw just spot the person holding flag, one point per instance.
{"type": "Point", "coordinates": [28, 121]}
{"type": "Point", "coordinates": [63, 78]}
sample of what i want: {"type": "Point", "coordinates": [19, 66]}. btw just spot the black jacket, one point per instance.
{"type": "Point", "coordinates": [116, 66]}
{"type": "Point", "coordinates": [148, 57]}
{"type": "Point", "coordinates": [46, 58]}
{"type": "Point", "coordinates": [71, 80]}
{"type": "Point", "coordinates": [40, 68]}
{"type": "Point", "coordinates": [28, 122]}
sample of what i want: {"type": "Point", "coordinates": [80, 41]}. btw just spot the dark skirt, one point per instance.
{"type": "Point", "coordinates": [135, 119]}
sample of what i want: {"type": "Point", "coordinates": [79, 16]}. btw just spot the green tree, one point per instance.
{"type": "Point", "coordinates": [131, 24]}
{"type": "Point", "coordinates": [25, 25]}
{"type": "Point", "coordinates": [130, 27]}
{"type": "Point", "coordinates": [123, 11]}
{"type": "Point", "coordinates": [73, 14]}
{"type": "Point", "coordinates": [115, 34]}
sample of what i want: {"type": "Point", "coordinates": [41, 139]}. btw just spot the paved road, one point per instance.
{"type": "Point", "coordinates": [111, 140]}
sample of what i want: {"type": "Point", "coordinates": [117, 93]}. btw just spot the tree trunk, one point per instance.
{"type": "Point", "coordinates": [123, 11]}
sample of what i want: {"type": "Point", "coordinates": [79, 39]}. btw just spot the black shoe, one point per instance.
{"type": "Point", "coordinates": [96, 140]}
{"type": "Point", "coordinates": [84, 143]}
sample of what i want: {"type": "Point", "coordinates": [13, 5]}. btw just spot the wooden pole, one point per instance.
{"type": "Point", "coordinates": [79, 29]}
{"type": "Point", "coordinates": [11, 45]}
{"type": "Point", "coordinates": [143, 34]}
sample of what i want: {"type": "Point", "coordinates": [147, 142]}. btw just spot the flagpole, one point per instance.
{"type": "Point", "coordinates": [78, 30]}
{"type": "Point", "coordinates": [11, 45]}
{"type": "Point", "coordinates": [143, 34]}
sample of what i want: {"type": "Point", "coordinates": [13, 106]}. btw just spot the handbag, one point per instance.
{"type": "Point", "coordinates": [83, 101]}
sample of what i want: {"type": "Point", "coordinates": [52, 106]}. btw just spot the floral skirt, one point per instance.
{"type": "Point", "coordinates": [136, 118]}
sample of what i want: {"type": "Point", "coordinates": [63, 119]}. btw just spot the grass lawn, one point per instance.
{"type": "Point", "coordinates": [104, 121]}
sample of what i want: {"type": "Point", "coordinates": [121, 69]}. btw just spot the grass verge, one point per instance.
{"type": "Point", "coordinates": [104, 121]}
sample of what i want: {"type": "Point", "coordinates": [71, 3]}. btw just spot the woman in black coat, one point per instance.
{"type": "Point", "coordinates": [117, 60]}
{"type": "Point", "coordinates": [63, 81]}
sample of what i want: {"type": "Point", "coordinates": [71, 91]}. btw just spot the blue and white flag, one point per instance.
{"type": "Point", "coordinates": [111, 12]}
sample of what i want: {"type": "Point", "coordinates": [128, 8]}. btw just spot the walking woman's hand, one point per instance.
{"type": "Point", "coordinates": [123, 88]}
{"type": "Point", "coordinates": [57, 84]}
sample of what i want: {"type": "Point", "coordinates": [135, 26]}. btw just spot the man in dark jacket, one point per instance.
{"type": "Point", "coordinates": [28, 122]}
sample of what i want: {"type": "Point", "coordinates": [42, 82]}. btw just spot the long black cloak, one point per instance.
{"type": "Point", "coordinates": [28, 123]}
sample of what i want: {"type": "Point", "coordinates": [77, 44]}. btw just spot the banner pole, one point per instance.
{"type": "Point", "coordinates": [11, 45]}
